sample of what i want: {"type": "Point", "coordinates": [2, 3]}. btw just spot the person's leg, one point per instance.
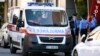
{"type": "Point", "coordinates": [81, 32]}
{"type": "Point", "coordinates": [73, 35]}
{"type": "Point", "coordinates": [77, 33]}
{"type": "Point", "coordinates": [92, 29]}
{"type": "Point", "coordinates": [84, 31]}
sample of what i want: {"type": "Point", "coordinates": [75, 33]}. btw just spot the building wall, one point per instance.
{"type": "Point", "coordinates": [62, 3]}
{"type": "Point", "coordinates": [54, 2]}
{"type": "Point", "coordinates": [5, 10]}
{"type": "Point", "coordinates": [70, 7]}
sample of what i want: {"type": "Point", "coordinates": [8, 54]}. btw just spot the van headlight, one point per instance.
{"type": "Point", "coordinates": [30, 30]}
{"type": "Point", "coordinates": [32, 40]}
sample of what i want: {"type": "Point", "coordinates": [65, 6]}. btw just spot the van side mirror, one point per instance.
{"type": "Point", "coordinates": [20, 23]}
{"type": "Point", "coordinates": [83, 38]}
{"type": "Point", "coordinates": [89, 39]}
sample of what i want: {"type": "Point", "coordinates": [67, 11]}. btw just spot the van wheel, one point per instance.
{"type": "Point", "coordinates": [12, 48]}
{"type": "Point", "coordinates": [3, 44]}
{"type": "Point", "coordinates": [67, 53]}
{"type": "Point", "coordinates": [51, 53]}
{"type": "Point", "coordinates": [24, 51]}
{"type": "Point", "coordinates": [75, 53]}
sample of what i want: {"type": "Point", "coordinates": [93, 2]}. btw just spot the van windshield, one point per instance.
{"type": "Point", "coordinates": [46, 17]}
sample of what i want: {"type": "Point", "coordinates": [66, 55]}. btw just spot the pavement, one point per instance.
{"type": "Point", "coordinates": [6, 52]}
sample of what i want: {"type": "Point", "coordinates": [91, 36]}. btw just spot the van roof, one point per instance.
{"type": "Point", "coordinates": [38, 7]}
{"type": "Point", "coordinates": [44, 7]}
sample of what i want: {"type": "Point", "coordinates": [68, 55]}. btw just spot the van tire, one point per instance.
{"type": "Point", "coordinates": [3, 43]}
{"type": "Point", "coordinates": [51, 53]}
{"type": "Point", "coordinates": [12, 48]}
{"type": "Point", "coordinates": [67, 53]}
{"type": "Point", "coordinates": [24, 51]}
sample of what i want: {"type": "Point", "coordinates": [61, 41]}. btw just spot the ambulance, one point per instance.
{"type": "Point", "coordinates": [39, 27]}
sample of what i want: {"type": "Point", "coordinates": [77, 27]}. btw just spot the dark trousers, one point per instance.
{"type": "Point", "coordinates": [77, 31]}
{"type": "Point", "coordinates": [84, 31]}
{"type": "Point", "coordinates": [74, 39]}
{"type": "Point", "coordinates": [91, 29]}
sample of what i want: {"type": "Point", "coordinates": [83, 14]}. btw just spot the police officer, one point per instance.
{"type": "Point", "coordinates": [76, 27]}
{"type": "Point", "coordinates": [71, 21]}
{"type": "Point", "coordinates": [93, 22]}
{"type": "Point", "coordinates": [83, 25]}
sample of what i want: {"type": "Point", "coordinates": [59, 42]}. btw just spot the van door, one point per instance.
{"type": "Point", "coordinates": [20, 24]}
{"type": "Point", "coordinates": [14, 33]}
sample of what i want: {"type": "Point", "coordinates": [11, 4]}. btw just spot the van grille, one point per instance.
{"type": "Point", "coordinates": [51, 39]}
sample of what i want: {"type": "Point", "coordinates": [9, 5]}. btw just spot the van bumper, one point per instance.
{"type": "Point", "coordinates": [36, 47]}
{"type": "Point", "coordinates": [43, 48]}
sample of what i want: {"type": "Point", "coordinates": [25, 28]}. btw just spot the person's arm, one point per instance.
{"type": "Point", "coordinates": [95, 21]}
{"type": "Point", "coordinates": [80, 25]}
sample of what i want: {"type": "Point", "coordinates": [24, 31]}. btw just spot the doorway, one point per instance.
{"type": "Point", "coordinates": [1, 13]}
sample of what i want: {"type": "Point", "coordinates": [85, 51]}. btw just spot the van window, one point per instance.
{"type": "Point", "coordinates": [46, 17]}
{"type": "Point", "coordinates": [15, 15]}
{"type": "Point", "coordinates": [10, 16]}
{"type": "Point", "coordinates": [21, 14]}
{"type": "Point", "coordinates": [15, 18]}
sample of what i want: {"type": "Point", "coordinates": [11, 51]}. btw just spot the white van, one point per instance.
{"type": "Point", "coordinates": [39, 28]}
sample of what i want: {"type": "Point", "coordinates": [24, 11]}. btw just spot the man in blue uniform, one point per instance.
{"type": "Point", "coordinates": [71, 21]}
{"type": "Point", "coordinates": [93, 22]}
{"type": "Point", "coordinates": [83, 26]}
{"type": "Point", "coordinates": [76, 27]}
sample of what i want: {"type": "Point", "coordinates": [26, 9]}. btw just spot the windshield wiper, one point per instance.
{"type": "Point", "coordinates": [35, 24]}
{"type": "Point", "coordinates": [32, 23]}
{"type": "Point", "coordinates": [54, 25]}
